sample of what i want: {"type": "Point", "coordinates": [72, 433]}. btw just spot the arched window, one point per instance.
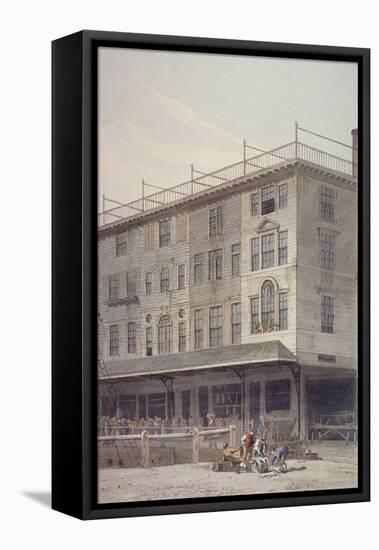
{"type": "Point", "coordinates": [268, 305]}
{"type": "Point", "coordinates": [165, 279]}
{"type": "Point", "coordinates": [165, 335]}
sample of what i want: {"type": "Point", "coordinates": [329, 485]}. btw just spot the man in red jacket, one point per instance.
{"type": "Point", "coordinates": [247, 443]}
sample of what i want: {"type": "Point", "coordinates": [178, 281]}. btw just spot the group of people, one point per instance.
{"type": "Point", "coordinates": [113, 425]}
{"type": "Point", "coordinates": [253, 447]}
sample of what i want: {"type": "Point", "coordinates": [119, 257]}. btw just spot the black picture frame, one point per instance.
{"type": "Point", "coordinates": [74, 206]}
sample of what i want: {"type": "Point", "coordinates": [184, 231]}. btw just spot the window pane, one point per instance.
{"type": "Point", "coordinates": [149, 283]}
{"type": "Point", "coordinates": [268, 251]}
{"type": "Point", "coordinates": [268, 199]}
{"type": "Point", "coordinates": [236, 323]}
{"type": "Point", "coordinates": [165, 335]}
{"type": "Point", "coordinates": [283, 247]}
{"type": "Point", "coordinates": [131, 284]}
{"type": "Point", "coordinates": [182, 337]}
{"type": "Point", "coordinates": [165, 280]}
{"type": "Point", "coordinates": [254, 243]}
{"type": "Point", "coordinates": [327, 203]}
{"type": "Point", "coordinates": [132, 339]}
{"type": "Point", "coordinates": [236, 260]}
{"type": "Point", "coordinates": [114, 288]}
{"type": "Point", "coordinates": [216, 264]}
{"type": "Point", "coordinates": [283, 195]}
{"type": "Point", "coordinates": [327, 250]}
{"type": "Point", "coordinates": [327, 314]}
{"type": "Point", "coordinates": [227, 400]}
{"type": "Point", "coordinates": [283, 311]}
{"type": "Point", "coordinates": [114, 340]}
{"type": "Point", "coordinates": [268, 305]}
{"type": "Point", "coordinates": [164, 232]}
{"type": "Point", "coordinates": [254, 204]}
{"type": "Point", "coordinates": [198, 329]}
{"type": "Point", "coordinates": [149, 341]}
{"type": "Point", "coordinates": [278, 395]}
{"type": "Point", "coordinates": [215, 221]}
{"type": "Point", "coordinates": [254, 305]}
{"type": "Point", "coordinates": [215, 326]}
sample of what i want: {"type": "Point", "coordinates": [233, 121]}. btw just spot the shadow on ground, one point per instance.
{"type": "Point", "coordinates": [42, 497]}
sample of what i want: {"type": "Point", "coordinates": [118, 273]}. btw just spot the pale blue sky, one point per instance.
{"type": "Point", "coordinates": [161, 111]}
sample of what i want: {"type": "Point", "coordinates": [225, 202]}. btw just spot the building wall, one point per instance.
{"type": "Point", "coordinates": [301, 277]}
{"type": "Point", "coordinates": [162, 303]}
{"type": "Point", "coordinates": [283, 276]}
{"type": "Point", "coordinates": [313, 281]}
{"type": "Point", "coordinates": [122, 312]}
{"type": "Point", "coordinates": [222, 292]}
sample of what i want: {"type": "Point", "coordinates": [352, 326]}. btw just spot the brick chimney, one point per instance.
{"type": "Point", "coordinates": [354, 134]}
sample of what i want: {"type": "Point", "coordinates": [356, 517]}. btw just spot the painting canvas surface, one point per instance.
{"type": "Point", "coordinates": [227, 275]}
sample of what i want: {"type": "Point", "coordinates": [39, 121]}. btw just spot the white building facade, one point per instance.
{"type": "Point", "coordinates": [236, 298]}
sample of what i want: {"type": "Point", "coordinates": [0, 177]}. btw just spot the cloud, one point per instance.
{"type": "Point", "coordinates": [158, 140]}
{"type": "Point", "coordinates": [186, 115]}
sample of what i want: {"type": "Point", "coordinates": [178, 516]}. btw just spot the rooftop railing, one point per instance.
{"type": "Point", "coordinates": [292, 151]}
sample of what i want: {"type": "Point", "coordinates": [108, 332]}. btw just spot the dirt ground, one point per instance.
{"type": "Point", "coordinates": [336, 470]}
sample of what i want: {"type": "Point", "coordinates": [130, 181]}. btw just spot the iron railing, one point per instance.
{"type": "Point", "coordinates": [295, 150]}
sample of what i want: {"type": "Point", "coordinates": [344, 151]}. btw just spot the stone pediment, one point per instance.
{"type": "Point", "coordinates": [266, 225]}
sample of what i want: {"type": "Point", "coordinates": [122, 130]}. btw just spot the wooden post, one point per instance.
{"type": "Point", "coordinates": [145, 447]}
{"type": "Point", "coordinates": [195, 446]}
{"type": "Point", "coordinates": [233, 436]}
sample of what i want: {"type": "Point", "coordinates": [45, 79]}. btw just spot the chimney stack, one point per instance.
{"type": "Point", "coordinates": [354, 134]}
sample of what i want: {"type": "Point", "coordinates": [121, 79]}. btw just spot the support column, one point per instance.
{"type": "Point", "coordinates": [137, 407]}
{"type": "Point", "coordinates": [168, 383]}
{"type": "Point", "coordinates": [296, 374]}
{"type": "Point", "coordinates": [303, 408]}
{"type": "Point", "coordinates": [247, 404]}
{"type": "Point", "coordinates": [195, 404]}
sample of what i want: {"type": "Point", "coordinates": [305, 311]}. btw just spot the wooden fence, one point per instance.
{"type": "Point", "coordinates": [194, 436]}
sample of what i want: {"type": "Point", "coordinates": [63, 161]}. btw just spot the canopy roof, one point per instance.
{"type": "Point", "coordinates": [271, 352]}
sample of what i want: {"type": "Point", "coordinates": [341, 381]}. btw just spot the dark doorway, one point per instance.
{"type": "Point", "coordinates": [142, 406]}
{"type": "Point", "coordinates": [331, 397]}
{"type": "Point", "coordinates": [157, 405]}
{"type": "Point", "coordinates": [186, 405]}
{"type": "Point", "coordinates": [108, 406]}
{"type": "Point", "coordinates": [128, 406]}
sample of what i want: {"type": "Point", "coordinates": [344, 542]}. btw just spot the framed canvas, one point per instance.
{"type": "Point", "coordinates": [211, 344]}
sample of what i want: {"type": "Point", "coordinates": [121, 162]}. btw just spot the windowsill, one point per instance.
{"type": "Point", "coordinates": [268, 332]}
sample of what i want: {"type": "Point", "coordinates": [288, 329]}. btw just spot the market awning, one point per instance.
{"type": "Point", "coordinates": [271, 352]}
